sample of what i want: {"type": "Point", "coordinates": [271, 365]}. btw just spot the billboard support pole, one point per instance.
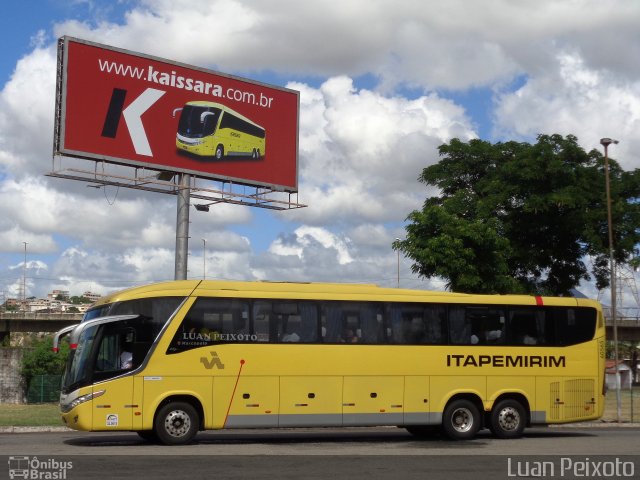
{"type": "Point", "coordinates": [182, 227]}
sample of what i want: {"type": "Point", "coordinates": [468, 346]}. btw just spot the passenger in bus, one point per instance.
{"type": "Point", "coordinates": [349, 336]}
{"type": "Point", "coordinates": [126, 355]}
{"type": "Point", "coordinates": [416, 333]}
{"type": "Point", "coordinates": [493, 335]}
{"type": "Point", "coordinates": [290, 337]}
{"type": "Point", "coordinates": [126, 358]}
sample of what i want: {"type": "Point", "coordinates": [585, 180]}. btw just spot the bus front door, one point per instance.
{"type": "Point", "coordinates": [113, 409]}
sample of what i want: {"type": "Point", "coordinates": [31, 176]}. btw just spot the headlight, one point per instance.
{"type": "Point", "coordinates": [79, 400]}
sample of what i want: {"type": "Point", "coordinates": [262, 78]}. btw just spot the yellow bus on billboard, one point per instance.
{"type": "Point", "coordinates": [171, 359]}
{"type": "Point", "coordinates": [211, 129]}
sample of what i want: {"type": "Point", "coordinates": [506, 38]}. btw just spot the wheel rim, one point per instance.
{"type": "Point", "coordinates": [177, 423]}
{"type": "Point", "coordinates": [509, 419]}
{"type": "Point", "coordinates": [462, 420]}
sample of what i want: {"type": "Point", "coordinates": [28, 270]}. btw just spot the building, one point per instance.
{"type": "Point", "coordinates": [55, 294]}
{"type": "Point", "coordinates": [91, 296]}
{"type": "Point", "coordinates": [623, 370]}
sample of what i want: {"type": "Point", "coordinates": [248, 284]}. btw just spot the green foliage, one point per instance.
{"type": "Point", "coordinates": [79, 300]}
{"type": "Point", "coordinates": [521, 218]}
{"type": "Point", "coordinates": [41, 360]}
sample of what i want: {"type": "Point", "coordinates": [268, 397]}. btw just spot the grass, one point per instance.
{"type": "Point", "coordinates": [30, 415]}
{"type": "Point", "coordinates": [611, 407]}
{"type": "Point", "coordinates": [46, 414]}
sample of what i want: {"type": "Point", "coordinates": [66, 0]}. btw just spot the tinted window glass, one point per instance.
{"type": "Point", "coordinates": [352, 322]}
{"type": "Point", "coordinates": [417, 324]}
{"type": "Point", "coordinates": [573, 325]}
{"type": "Point", "coordinates": [476, 325]}
{"type": "Point", "coordinates": [286, 321]}
{"type": "Point", "coordinates": [211, 321]}
{"type": "Point", "coordinates": [528, 326]}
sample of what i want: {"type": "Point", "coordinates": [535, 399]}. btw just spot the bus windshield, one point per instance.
{"type": "Point", "coordinates": [77, 372]}
{"type": "Point", "coordinates": [198, 121]}
{"type": "Point", "coordinates": [117, 339]}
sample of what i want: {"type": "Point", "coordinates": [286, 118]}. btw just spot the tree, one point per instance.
{"type": "Point", "coordinates": [41, 360]}
{"type": "Point", "coordinates": [79, 300]}
{"type": "Point", "coordinates": [521, 218]}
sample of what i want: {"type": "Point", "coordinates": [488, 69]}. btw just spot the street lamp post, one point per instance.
{"type": "Point", "coordinates": [398, 250]}
{"type": "Point", "coordinates": [24, 276]}
{"type": "Point", "coordinates": [605, 142]}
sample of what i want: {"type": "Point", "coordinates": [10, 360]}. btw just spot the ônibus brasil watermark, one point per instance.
{"type": "Point", "coordinates": [38, 468]}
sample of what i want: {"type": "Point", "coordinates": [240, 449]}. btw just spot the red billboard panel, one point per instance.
{"type": "Point", "coordinates": [133, 109]}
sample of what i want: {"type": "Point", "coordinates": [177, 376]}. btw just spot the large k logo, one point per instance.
{"type": "Point", "coordinates": [132, 116]}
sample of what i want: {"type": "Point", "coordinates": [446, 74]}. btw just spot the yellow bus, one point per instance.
{"type": "Point", "coordinates": [171, 359]}
{"type": "Point", "coordinates": [212, 129]}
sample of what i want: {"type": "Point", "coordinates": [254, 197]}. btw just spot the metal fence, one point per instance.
{"type": "Point", "coordinates": [44, 389]}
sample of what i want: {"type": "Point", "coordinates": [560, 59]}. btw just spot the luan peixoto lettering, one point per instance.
{"type": "Point", "coordinates": [507, 361]}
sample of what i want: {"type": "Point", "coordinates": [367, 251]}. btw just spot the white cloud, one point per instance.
{"type": "Point", "coordinates": [571, 98]}
{"type": "Point", "coordinates": [26, 118]}
{"type": "Point", "coordinates": [304, 236]}
{"type": "Point", "coordinates": [362, 152]}
{"type": "Point", "coordinates": [428, 43]}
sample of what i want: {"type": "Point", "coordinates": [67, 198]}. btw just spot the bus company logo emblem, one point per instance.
{"type": "Point", "coordinates": [132, 117]}
{"type": "Point", "coordinates": [112, 420]}
{"type": "Point", "coordinates": [209, 363]}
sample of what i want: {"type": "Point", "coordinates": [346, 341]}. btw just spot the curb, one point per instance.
{"type": "Point", "coordinates": [35, 429]}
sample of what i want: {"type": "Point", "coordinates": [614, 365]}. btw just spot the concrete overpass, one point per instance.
{"type": "Point", "coordinates": [35, 322]}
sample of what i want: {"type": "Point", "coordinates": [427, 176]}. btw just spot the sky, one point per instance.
{"type": "Point", "coordinates": [382, 84]}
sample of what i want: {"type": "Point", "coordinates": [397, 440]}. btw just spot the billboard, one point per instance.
{"type": "Point", "coordinates": [132, 109]}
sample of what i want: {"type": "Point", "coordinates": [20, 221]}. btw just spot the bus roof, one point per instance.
{"type": "Point", "coordinates": [327, 291]}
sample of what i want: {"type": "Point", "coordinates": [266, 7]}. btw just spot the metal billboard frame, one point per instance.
{"type": "Point", "coordinates": [183, 183]}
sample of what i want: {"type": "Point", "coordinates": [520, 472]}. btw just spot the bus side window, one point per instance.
{"type": "Point", "coordinates": [262, 321]}
{"type": "Point", "coordinates": [459, 328]}
{"type": "Point", "coordinates": [210, 321]}
{"type": "Point", "coordinates": [331, 321]}
{"type": "Point", "coordinates": [371, 323]}
{"type": "Point", "coordinates": [526, 327]}
{"type": "Point", "coordinates": [434, 325]}
{"type": "Point", "coordinates": [573, 325]}
{"type": "Point", "coordinates": [308, 321]}
{"type": "Point", "coordinates": [487, 325]}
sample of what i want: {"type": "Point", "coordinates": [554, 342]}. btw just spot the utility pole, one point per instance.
{"type": "Point", "coordinates": [182, 227]}
{"type": "Point", "coordinates": [24, 276]}
{"type": "Point", "coordinates": [612, 272]}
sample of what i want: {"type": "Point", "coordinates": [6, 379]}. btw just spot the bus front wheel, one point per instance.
{"type": "Point", "coordinates": [508, 419]}
{"type": "Point", "coordinates": [176, 423]}
{"type": "Point", "coordinates": [219, 152]}
{"type": "Point", "coordinates": [461, 420]}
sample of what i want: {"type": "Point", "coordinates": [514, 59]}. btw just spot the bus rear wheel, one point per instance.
{"type": "Point", "coordinates": [176, 423]}
{"type": "Point", "coordinates": [219, 154]}
{"type": "Point", "coordinates": [461, 420]}
{"type": "Point", "coordinates": [508, 419]}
